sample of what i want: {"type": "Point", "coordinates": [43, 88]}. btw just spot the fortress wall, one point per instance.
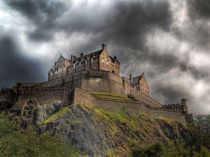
{"type": "Point", "coordinates": [116, 84]}
{"type": "Point", "coordinates": [147, 100]}
{"type": "Point", "coordinates": [45, 95]}
{"type": "Point", "coordinates": [126, 85]}
{"type": "Point", "coordinates": [96, 81]}
{"type": "Point", "coordinates": [85, 97]}
{"type": "Point", "coordinates": [178, 116]}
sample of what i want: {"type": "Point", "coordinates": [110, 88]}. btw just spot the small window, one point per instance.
{"type": "Point", "coordinates": [91, 60]}
{"type": "Point", "coordinates": [74, 66]}
{"type": "Point", "coordinates": [113, 71]}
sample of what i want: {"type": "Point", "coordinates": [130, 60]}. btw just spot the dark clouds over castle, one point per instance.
{"type": "Point", "coordinates": [167, 40]}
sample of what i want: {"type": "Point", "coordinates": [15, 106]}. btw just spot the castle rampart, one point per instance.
{"type": "Point", "coordinates": [85, 97]}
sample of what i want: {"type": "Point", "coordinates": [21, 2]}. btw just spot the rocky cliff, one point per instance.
{"type": "Point", "coordinates": [97, 131]}
{"type": "Point", "coordinates": [102, 132]}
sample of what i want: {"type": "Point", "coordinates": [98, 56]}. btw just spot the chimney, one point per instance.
{"type": "Point", "coordinates": [184, 101]}
{"type": "Point", "coordinates": [115, 57]}
{"type": "Point", "coordinates": [103, 46]}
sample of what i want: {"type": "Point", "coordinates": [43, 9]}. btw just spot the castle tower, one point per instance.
{"type": "Point", "coordinates": [184, 105]}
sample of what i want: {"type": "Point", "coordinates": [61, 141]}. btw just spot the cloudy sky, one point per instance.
{"type": "Point", "coordinates": [168, 40]}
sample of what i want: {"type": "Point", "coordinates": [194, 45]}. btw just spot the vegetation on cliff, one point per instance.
{"type": "Point", "coordinates": [116, 132]}
{"type": "Point", "coordinates": [18, 142]}
{"type": "Point", "coordinates": [100, 133]}
{"type": "Point", "coordinates": [111, 96]}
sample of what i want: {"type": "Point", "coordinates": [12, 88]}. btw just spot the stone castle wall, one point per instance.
{"type": "Point", "coordinates": [45, 95]}
{"type": "Point", "coordinates": [101, 81]}
{"type": "Point", "coordinates": [85, 97]}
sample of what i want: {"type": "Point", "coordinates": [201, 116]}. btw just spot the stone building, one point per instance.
{"type": "Point", "coordinates": [93, 79]}
{"type": "Point", "coordinates": [98, 60]}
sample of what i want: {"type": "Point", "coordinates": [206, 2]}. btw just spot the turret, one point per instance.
{"type": "Point", "coordinates": [184, 105]}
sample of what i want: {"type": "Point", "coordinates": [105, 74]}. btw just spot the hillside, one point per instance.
{"type": "Point", "coordinates": [101, 132]}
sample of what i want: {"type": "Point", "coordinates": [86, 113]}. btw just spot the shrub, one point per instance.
{"type": "Point", "coordinates": [154, 150]}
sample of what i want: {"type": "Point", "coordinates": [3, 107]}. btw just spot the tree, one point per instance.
{"type": "Point", "coordinates": [154, 150]}
{"type": "Point", "coordinates": [18, 142]}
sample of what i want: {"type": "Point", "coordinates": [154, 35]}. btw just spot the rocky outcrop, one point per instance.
{"type": "Point", "coordinates": [100, 132]}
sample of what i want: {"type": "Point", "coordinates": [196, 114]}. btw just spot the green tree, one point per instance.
{"type": "Point", "coordinates": [154, 150]}
{"type": "Point", "coordinates": [18, 142]}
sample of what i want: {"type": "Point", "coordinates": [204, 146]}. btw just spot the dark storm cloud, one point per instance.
{"type": "Point", "coordinates": [170, 93]}
{"type": "Point", "coordinates": [14, 66]}
{"type": "Point", "coordinates": [196, 31]}
{"type": "Point", "coordinates": [124, 27]}
{"type": "Point", "coordinates": [199, 8]}
{"type": "Point", "coordinates": [42, 13]}
{"type": "Point", "coordinates": [125, 24]}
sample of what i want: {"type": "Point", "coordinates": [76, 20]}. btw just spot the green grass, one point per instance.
{"type": "Point", "coordinates": [60, 113]}
{"type": "Point", "coordinates": [111, 96]}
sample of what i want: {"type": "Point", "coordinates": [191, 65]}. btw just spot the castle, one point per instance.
{"type": "Point", "coordinates": [93, 79]}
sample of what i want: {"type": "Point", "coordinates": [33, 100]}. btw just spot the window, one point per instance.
{"type": "Point", "coordinates": [91, 60]}
{"type": "Point", "coordinates": [74, 66]}
{"type": "Point", "coordinates": [103, 60]}
{"type": "Point", "coordinates": [80, 64]}
{"type": "Point", "coordinates": [86, 62]}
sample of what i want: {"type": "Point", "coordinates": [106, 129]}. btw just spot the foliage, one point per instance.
{"type": "Point", "coordinates": [57, 114]}
{"type": "Point", "coordinates": [159, 150]}
{"type": "Point", "coordinates": [154, 150]}
{"type": "Point", "coordinates": [196, 142]}
{"type": "Point", "coordinates": [18, 142]}
{"type": "Point", "coordinates": [202, 123]}
{"type": "Point", "coordinates": [198, 135]}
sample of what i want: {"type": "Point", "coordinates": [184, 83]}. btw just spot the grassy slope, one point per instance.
{"type": "Point", "coordinates": [111, 96]}
{"type": "Point", "coordinates": [125, 130]}
{"type": "Point", "coordinates": [130, 129]}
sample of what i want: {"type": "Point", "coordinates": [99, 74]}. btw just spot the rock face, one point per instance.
{"type": "Point", "coordinates": [101, 132]}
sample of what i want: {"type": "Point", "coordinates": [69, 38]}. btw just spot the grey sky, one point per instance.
{"type": "Point", "coordinates": [168, 40]}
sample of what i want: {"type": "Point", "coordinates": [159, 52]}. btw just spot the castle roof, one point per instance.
{"type": "Point", "coordinates": [113, 60]}
{"type": "Point", "coordinates": [137, 79]}
{"type": "Point", "coordinates": [95, 53]}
